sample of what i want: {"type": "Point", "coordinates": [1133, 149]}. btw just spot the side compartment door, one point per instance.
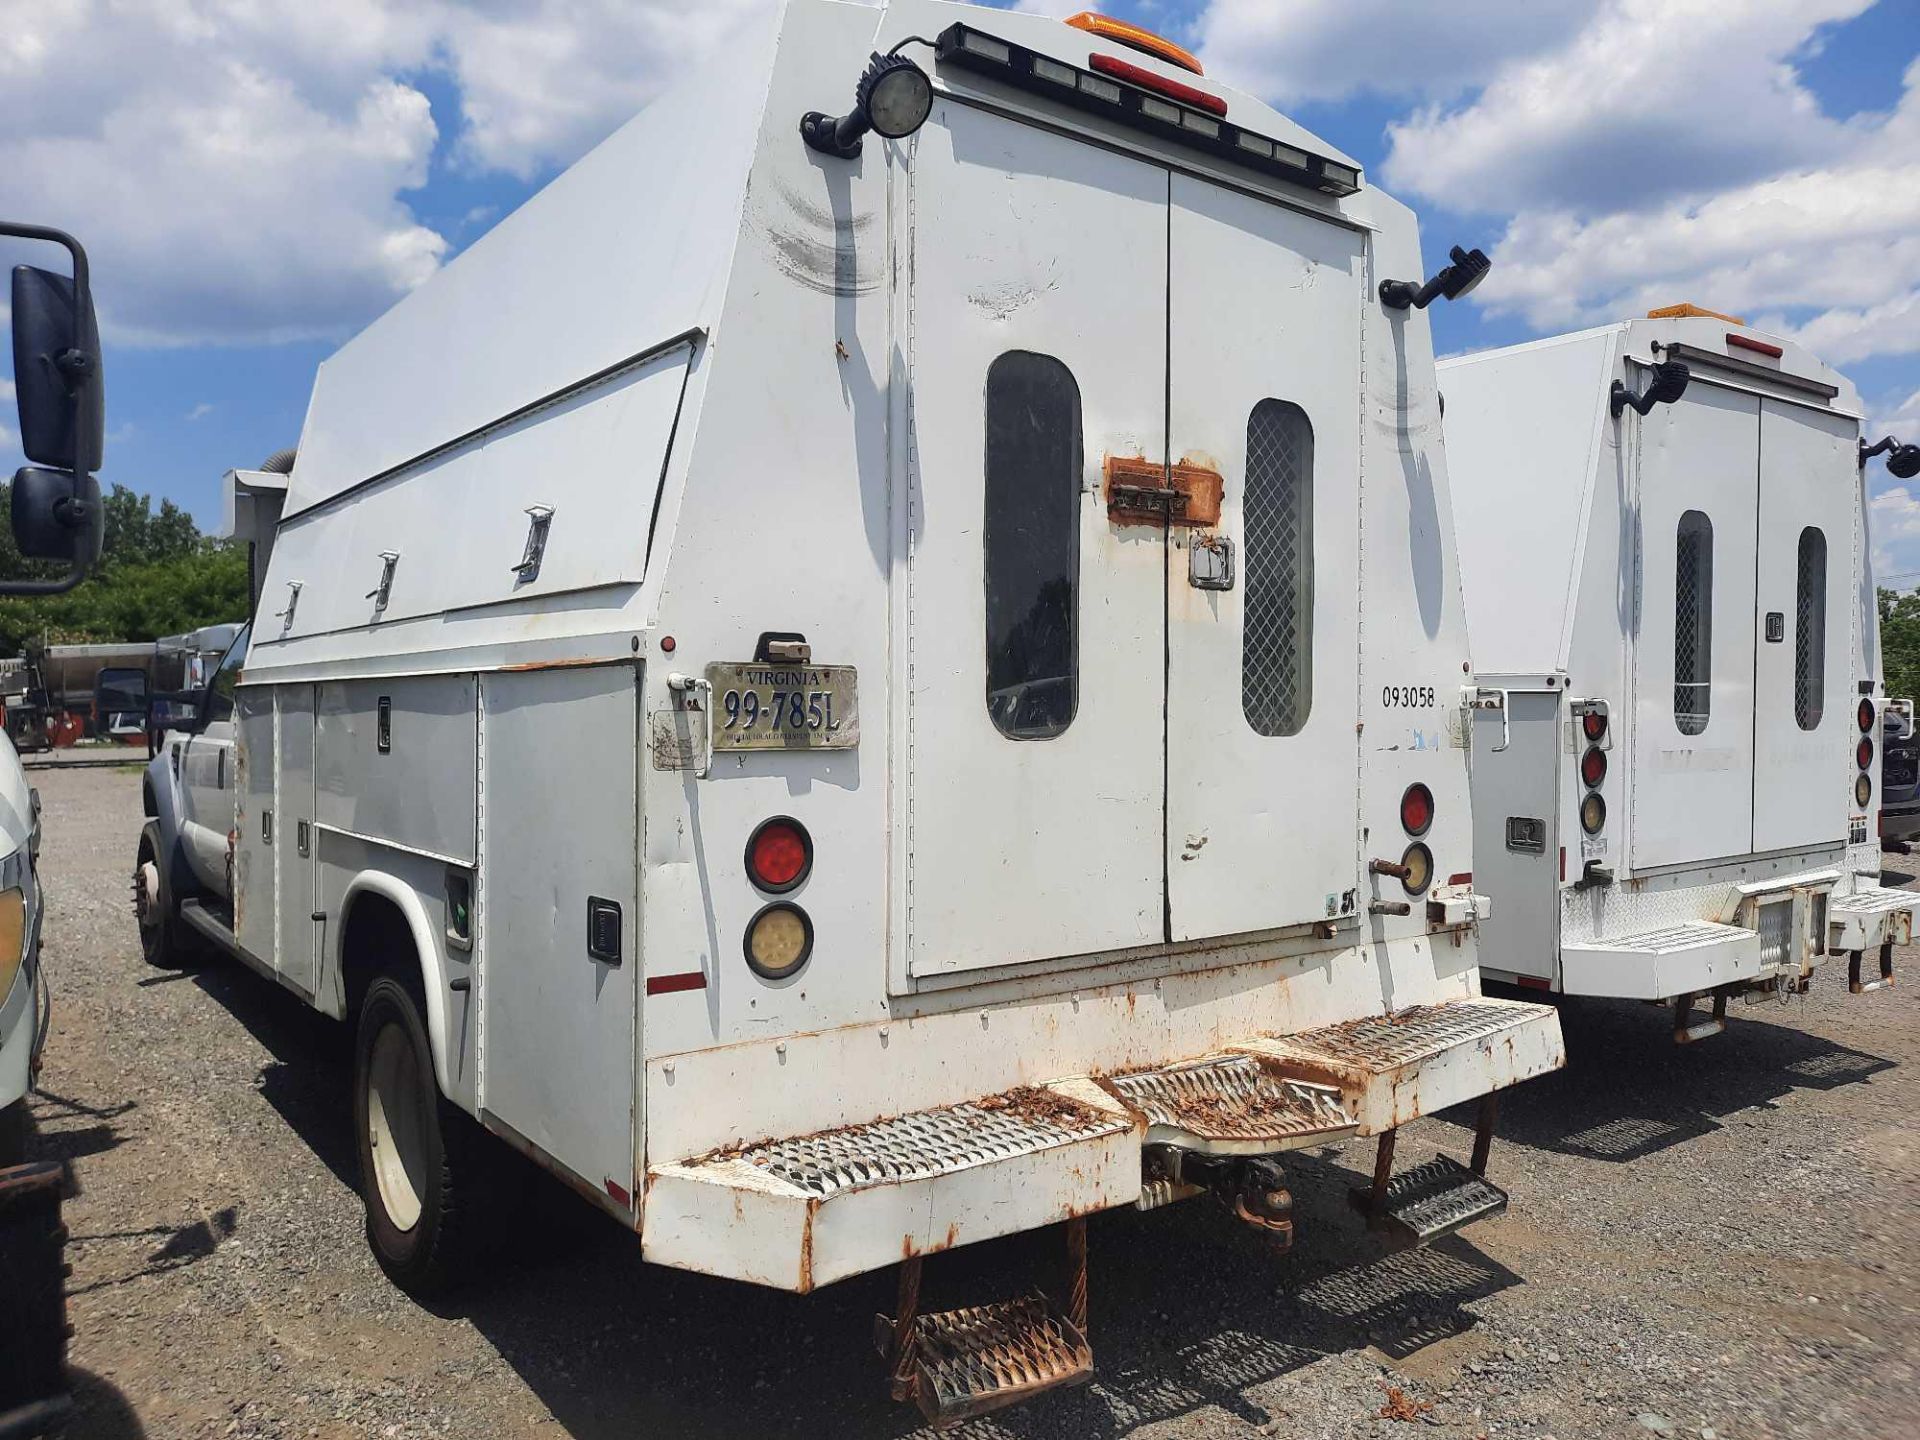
{"type": "Point", "coordinates": [1516, 830]}
{"type": "Point", "coordinates": [1804, 693]}
{"type": "Point", "coordinates": [558, 916]}
{"type": "Point", "coordinates": [1262, 764]}
{"type": "Point", "coordinates": [294, 844]}
{"type": "Point", "coordinates": [1694, 631]}
{"type": "Point", "coordinates": [1032, 807]}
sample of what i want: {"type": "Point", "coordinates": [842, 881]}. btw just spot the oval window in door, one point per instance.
{"type": "Point", "coordinates": [1810, 630]}
{"type": "Point", "coordinates": [1276, 637]}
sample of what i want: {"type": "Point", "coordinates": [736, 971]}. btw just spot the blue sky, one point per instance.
{"type": "Point", "coordinates": [257, 179]}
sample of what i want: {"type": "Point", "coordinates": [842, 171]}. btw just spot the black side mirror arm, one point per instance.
{"type": "Point", "coordinates": [1903, 461]}
{"type": "Point", "coordinates": [1668, 384]}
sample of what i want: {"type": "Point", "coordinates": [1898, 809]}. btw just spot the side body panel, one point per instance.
{"type": "Point", "coordinates": [1516, 831]}
{"type": "Point", "coordinates": [561, 824]}
{"type": "Point", "coordinates": [294, 850]}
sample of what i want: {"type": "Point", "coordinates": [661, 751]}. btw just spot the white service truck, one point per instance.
{"type": "Point", "coordinates": [1670, 589]}
{"type": "Point", "coordinates": [856, 684]}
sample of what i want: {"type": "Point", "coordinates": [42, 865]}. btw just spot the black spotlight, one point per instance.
{"type": "Point", "coordinates": [1903, 461]}
{"type": "Point", "coordinates": [894, 97]}
{"type": "Point", "coordinates": [1468, 269]}
{"type": "Point", "coordinates": [1667, 384]}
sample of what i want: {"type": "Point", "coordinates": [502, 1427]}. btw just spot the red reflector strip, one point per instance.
{"type": "Point", "coordinates": [1465, 877]}
{"type": "Point", "coordinates": [1563, 862]}
{"type": "Point", "coordinates": [619, 1193]}
{"type": "Point", "coordinates": [1534, 982]}
{"type": "Point", "coordinates": [1759, 347]}
{"type": "Point", "coordinates": [669, 984]}
{"type": "Point", "coordinates": [1159, 84]}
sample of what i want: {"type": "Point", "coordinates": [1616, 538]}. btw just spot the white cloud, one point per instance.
{"type": "Point", "coordinates": [239, 168]}
{"type": "Point", "coordinates": [1893, 522]}
{"type": "Point", "coordinates": [200, 411]}
{"type": "Point", "coordinates": [1295, 50]}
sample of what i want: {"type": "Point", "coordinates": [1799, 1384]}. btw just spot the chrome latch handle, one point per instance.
{"type": "Point", "coordinates": [1485, 697]}
{"type": "Point", "coordinates": [539, 518]}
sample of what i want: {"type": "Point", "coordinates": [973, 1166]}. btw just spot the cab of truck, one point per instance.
{"type": "Point", "coordinates": [880, 666]}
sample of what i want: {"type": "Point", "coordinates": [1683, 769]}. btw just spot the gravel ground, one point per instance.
{"type": "Point", "coordinates": [1716, 1240]}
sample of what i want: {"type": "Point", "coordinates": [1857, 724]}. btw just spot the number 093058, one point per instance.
{"type": "Point", "coordinates": [1406, 696]}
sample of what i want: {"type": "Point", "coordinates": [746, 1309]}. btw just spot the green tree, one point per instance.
{"type": "Point", "coordinates": [158, 575]}
{"type": "Point", "coordinates": [1900, 642]}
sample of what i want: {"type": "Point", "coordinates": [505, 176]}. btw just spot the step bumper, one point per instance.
{"type": "Point", "coordinates": [1393, 1068]}
{"type": "Point", "coordinates": [1868, 919]}
{"type": "Point", "coordinates": [1662, 964]}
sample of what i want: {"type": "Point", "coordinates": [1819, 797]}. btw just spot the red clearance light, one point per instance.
{"type": "Point", "coordinates": [1759, 347]}
{"type": "Point", "coordinates": [1866, 716]}
{"type": "Point", "coordinates": [779, 855]}
{"type": "Point", "coordinates": [1416, 809]}
{"type": "Point", "coordinates": [1863, 752]}
{"type": "Point", "coordinates": [1159, 84]}
{"type": "Point", "coordinates": [1593, 766]}
{"type": "Point", "coordinates": [1593, 725]}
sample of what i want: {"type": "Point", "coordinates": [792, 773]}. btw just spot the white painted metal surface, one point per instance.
{"type": "Point", "coordinates": [1660, 964]}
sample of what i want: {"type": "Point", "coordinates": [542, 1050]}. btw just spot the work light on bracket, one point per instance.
{"type": "Point", "coordinates": [1903, 461]}
{"type": "Point", "coordinates": [1468, 269]}
{"type": "Point", "coordinates": [1667, 384]}
{"type": "Point", "coordinates": [893, 97]}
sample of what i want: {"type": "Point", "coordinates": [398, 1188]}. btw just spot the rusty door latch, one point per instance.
{"type": "Point", "coordinates": [1146, 492]}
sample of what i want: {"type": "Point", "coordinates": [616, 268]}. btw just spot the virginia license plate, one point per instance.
{"type": "Point", "coordinates": [784, 707]}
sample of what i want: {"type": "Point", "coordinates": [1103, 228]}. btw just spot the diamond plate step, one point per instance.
{"type": "Point", "coordinates": [1432, 1200]}
{"type": "Point", "coordinates": [1871, 917]}
{"type": "Point", "coordinates": [1232, 1105]}
{"type": "Point", "coordinates": [1393, 1068]}
{"type": "Point", "coordinates": [968, 1362]}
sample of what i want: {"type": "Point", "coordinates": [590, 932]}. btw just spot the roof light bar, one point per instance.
{"type": "Point", "coordinates": [1195, 124]}
{"type": "Point", "coordinates": [1135, 38]}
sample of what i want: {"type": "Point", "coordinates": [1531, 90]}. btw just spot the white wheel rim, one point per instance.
{"type": "Point", "coordinates": [397, 1126]}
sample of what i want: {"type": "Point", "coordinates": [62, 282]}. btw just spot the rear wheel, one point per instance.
{"type": "Point", "coordinates": [13, 1133]}
{"type": "Point", "coordinates": [161, 940]}
{"type": "Point", "coordinates": [423, 1161]}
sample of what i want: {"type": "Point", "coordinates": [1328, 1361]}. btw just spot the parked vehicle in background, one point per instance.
{"type": "Point", "coordinates": [1677, 766]}
{"type": "Point", "coordinates": [916, 772]}
{"type": "Point", "coordinates": [1899, 774]}
{"type": "Point", "coordinates": [55, 514]}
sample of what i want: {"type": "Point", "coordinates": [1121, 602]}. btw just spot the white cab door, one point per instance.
{"type": "Point", "coordinates": [1032, 803]}
{"type": "Point", "coordinates": [1804, 689]}
{"type": "Point", "coordinates": [294, 842]}
{"type": "Point", "coordinates": [1694, 627]}
{"type": "Point", "coordinates": [1261, 685]}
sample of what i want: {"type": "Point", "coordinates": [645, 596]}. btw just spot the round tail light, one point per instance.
{"type": "Point", "coordinates": [1866, 716]}
{"type": "Point", "coordinates": [1416, 810]}
{"type": "Point", "coordinates": [1593, 766]}
{"type": "Point", "coordinates": [779, 939]}
{"type": "Point", "coordinates": [1862, 790]}
{"type": "Point", "coordinates": [1593, 725]}
{"type": "Point", "coordinates": [1419, 862]}
{"type": "Point", "coordinates": [1863, 752]}
{"type": "Point", "coordinates": [1593, 813]}
{"type": "Point", "coordinates": [779, 854]}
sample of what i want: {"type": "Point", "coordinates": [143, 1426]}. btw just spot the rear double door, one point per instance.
{"type": "Point", "coordinates": [1086, 769]}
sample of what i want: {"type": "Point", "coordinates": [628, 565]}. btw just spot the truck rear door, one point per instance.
{"type": "Point", "coordinates": [1262, 689]}
{"type": "Point", "coordinates": [1804, 693]}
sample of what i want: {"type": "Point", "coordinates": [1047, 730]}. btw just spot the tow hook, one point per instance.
{"type": "Point", "coordinates": [1264, 1202]}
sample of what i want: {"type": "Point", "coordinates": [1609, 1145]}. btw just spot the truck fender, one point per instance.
{"type": "Point", "coordinates": [426, 945]}
{"type": "Point", "coordinates": [163, 804]}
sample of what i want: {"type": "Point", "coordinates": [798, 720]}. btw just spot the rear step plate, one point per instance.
{"type": "Point", "coordinates": [968, 1362]}
{"type": "Point", "coordinates": [1394, 1068]}
{"type": "Point", "coordinates": [1867, 918]}
{"type": "Point", "coordinates": [1431, 1200]}
{"type": "Point", "coordinates": [1232, 1105]}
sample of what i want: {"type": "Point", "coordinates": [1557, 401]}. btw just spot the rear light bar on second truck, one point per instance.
{"type": "Point", "coordinates": [1168, 109]}
{"type": "Point", "coordinates": [1863, 756]}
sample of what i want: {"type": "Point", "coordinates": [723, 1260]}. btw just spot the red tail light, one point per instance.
{"type": "Point", "coordinates": [779, 855]}
{"type": "Point", "coordinates": [1863, 752]}
{"type": "Point", "coordinates": [1866, 716]}
{"type": "Point", "coordinates": [1416, 810]}
{"type": "Point", "coordinates": [1593, 725]}
{"type": "Point", "coordinates": [1593, 766]}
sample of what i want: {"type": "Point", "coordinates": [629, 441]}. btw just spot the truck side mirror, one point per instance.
{"type": "Point", "coordinates": [56, 510]}
{"type": "Point", "coordinates": [56, 371]}
{"type": "Point", "coordinates": [57, 516]}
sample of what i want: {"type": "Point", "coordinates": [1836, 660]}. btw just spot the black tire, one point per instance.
{"type": "Point", "coordinates": [13, 1134]}
{"type": "Point", "coordinates": [452, 1156]}
{"type": "Point", "coordinates": [163, 943]}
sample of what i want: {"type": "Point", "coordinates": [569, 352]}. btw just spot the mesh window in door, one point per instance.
{"type": "Point", "coordinates": [1693, 623]}
{"type": "Point", "coordinates": [1031, 537]}
{"type": "Point", "coordinates": [1276, 641]}
{"type": "Point", "coordinates": [1810, 631]}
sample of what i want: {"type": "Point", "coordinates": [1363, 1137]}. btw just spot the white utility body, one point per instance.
{"type": "Point", "coordinates": [1038, 522]}
{"type": "Point", "coordinates": [1676, 768]}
